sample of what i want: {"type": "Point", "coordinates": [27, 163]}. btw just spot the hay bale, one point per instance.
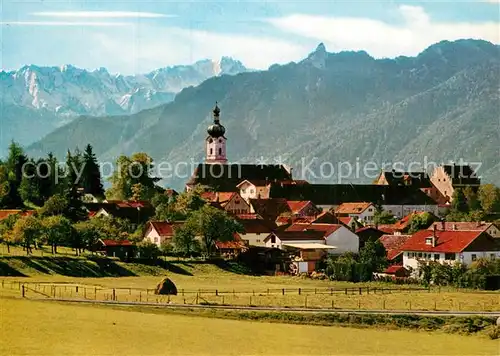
{"type": "Point", "coordinates": [166, 286]}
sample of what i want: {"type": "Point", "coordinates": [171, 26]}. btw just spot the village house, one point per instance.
{"type": "Point", "coordinates": [361, 211]}
{"type": "Point", "coordinates": [122, 249]}
{"type": "Point", "coordinates": [255, 231]}
{"type": "Point", "coordinates": [158, 232]}
{"type": "Point", "coordinates": [136, 212]}
{"type": "Point", "coordinates": [489, 228]}
{"type": "Point", "coordinates": [231, 202]}
{"type": "Point", "coordinates": [397, 200]}
{"type": "Point", "coordinates": [277, 239]}
{"type": "Point", "coordinates": [449, 246]}
{"type": "Point", "coordinates": [393, 245]}
{"type": "Point", "coordinates": [416, 179]}
{"type": "Point", "coordinates": [447, 178]}
{"type": "Point", "coordinates": [231, 249]}
{"type": "Point", "coordinates": [368, 233]}
{"type": "Point", "coordinates": [336, 235]}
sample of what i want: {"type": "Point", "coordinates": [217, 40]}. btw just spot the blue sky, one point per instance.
{"type": "Point", "coordinates": [138, 36]}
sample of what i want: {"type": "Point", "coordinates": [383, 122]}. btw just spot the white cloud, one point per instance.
{"type": "Point", "coordinates": [101, 14]}
{"type": "Point", "coordinates": [63, 23]}
{"type": "Point", "coordinates": [416, 32]}
{"type": "Point", "coordinates": [141, 49]}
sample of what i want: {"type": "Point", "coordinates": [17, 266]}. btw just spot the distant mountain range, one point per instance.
{"type": "Point", "coordinates": [441, 105]}
{"type": "Point", "coordinates": [35, 100]}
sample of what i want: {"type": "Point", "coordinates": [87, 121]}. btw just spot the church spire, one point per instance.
{"type": "Point", "coordinates": [216, 142]}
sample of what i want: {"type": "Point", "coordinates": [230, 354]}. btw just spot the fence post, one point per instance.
{"type": "Point", "coordinates": [197, 298]}
{"type": "Point", "coordinates": [314, 290]}
{"type": "Point", "coordinates": [253, 292]}
{"type": "Point", "coordinates": [140, 296]}
{"type": "Point", "coordinates": [383, 304]}
{"type": "Point", "coordinates": [359, 304]}
{"type": "Point", "coordinates": [283, 291]}
{"type": "Point", "coordinates": [114, 294]}
{"type": "Point", "coordinates": [95, 293]}
{"type": "Point", "coordinates": [299, 291]}
{"type": "Point", "coordinates": [435, 305]}
{"type": "Point", "coordinates": [305, 302]}
{"type": "Point", "coordinates": [360, 291]}
{"type": "Point", "coordinates": [250, 304]}
{"type": "Point", "coordinates": [23, 291]}
{"type": "Point", "coordinates": [331, 291]}
{"type": "Point", "coordinates": [346, 291]}
{"type": "Point", "coordinates": [367, 290]}
{"type": "Point", "coordinates": [76, 288]}
{"type": "Point", "coordinates": [333, 304]}
{"type": "Point", "coordinates": [216, 292]}
{"type": "Point", "coordinates": [84, 293]}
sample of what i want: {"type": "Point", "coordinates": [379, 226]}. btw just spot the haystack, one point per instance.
{"type": "Point", "coordinates": [166, 286]}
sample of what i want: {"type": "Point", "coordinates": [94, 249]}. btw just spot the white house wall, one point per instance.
{"type": "Point", "coordinates": [344, 240]}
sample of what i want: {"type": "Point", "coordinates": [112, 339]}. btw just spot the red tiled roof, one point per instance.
{"type": "Point", "coordinates": [387, 228]}
{"type": "Point", "coordinates": [297, 205]}
{"type": "Point", "coordinates": [393, 244]}
{"type": "Point", "coordinates": [461, 226]}
{"type": "Point", "coordinates": [393, 269]}
{"type": "Point", "coordinates": [107, 242]}
{"type": "Point", "coordinates": [352, 208]}
{"type": "Point", "coordinates": [297, 235]}
{"type": "Point", "coordinates": [270, 208]}
{"type": "Point", "coordinates": [6, 212]}
{"type": "Point", "coordinates": [326, 229]}
{"type": "Point", "coordinates": [165, 228]}
{"type": "Point", "coordinates": [222, 197]}
{"type": "Point", "coordinates": [446, 241]}
{"type": "Point", "coordinates": [254, 226]}
{"type": "Point", "coordinates": [235, 244]}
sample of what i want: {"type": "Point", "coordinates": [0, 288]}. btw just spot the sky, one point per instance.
{"type": "Point", "coordinates": [132, 37]}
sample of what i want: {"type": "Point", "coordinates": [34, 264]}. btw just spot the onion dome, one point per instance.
{"type": "Point", "coordinates": [216, 129]}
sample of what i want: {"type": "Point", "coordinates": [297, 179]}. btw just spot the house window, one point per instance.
{"type": "Point", "coordinates": [419, 255]}
{"type": "Point", "coordinates": [156, 240]}
{"type": "Point", "coordinates": [370, 210]}
{"type": "Point", "coordinates": [428, 241]}
{"type": "Point", "coordinates": [273, 239]}
{"type": "Point", "coordinates": [449, 256]}
{"type": "Point", "coordinates": [492, 256]}
{"type": "Point", "coordinates": [251, 191]}
{"type": "Point", "coordinates": [258, 233]}
{"type": "Point", "coordinates": [243, 191]}
{"type": "Point", "coordinates": [436, 256]}
{"type": "Point", "coordinates": [211, 151]}
{"type": "Point", "coordinates": [257, 240]}
{"type": "Point", "coordinates": [220, 151]}
{"type": "Point", "coordinates": [473, 257]}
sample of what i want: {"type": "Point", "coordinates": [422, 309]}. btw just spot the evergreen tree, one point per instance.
{"type": "Point", "coordinates": [472, 199]}
{"type": "Point", "coordinates": [15, 162]}
{"type": "Point", "coordinates": [91, 177]}
{"type": "Point", "coordinates": [72, 192]}
{"type": "Point", "coordinates": [459, 201]}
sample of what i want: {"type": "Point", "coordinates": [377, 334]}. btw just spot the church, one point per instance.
{"type": "Point", "coordinates": [222, 176]}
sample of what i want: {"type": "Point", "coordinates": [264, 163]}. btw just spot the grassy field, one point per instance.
{"type": "Point", "coordinates": [37, 328]}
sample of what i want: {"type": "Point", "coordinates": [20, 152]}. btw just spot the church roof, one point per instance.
{"type": "Point", "coordinates": [225, 177]}
{"type": "Point", "coordinates": [336, 194]}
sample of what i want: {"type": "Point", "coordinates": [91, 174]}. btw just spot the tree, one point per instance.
{"type": "Point", "coordinates": [130, 172]}
{"type": "Point", "coordinates": [148, 250]}
{"type": "Point", "coordinates": [472, 199]}
{"type": "Point", "coordinates": [459, 201]}
{"type": "Point", "coordinates": [72, 193]}
{"type": "Point", "coordinates": [28, 231]}
{"type": "Point", "coordinates": [4, 185]}
{"type": "Point", "coordinates": [489, 197]}
{"type": "Point", "coordinates": [374, 255]}
{"type": "Point", "coordinates": [184, 240]}
{"type": "Point", "coordinates": [91, 176]}
{"type": "Point", "coordinates": [6, 226]}
{"type": "Point", "coordinates": [212, 225]}
{"type": "Point", "coordinates": [88, 233]}
{"type": "Point", "coordinates": [383, 217]}
{"type": "Point", "coordinates": [55, 205]}
{"type": "Point", "coordinates": [56, 231]}
{"type": "Point", "coordinates": [420, 221]}
{"type": "Point", "coordinates": [16, 160]}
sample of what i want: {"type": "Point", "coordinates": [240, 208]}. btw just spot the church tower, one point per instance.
{"type": "Point", "coordinates": [216, 142]}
